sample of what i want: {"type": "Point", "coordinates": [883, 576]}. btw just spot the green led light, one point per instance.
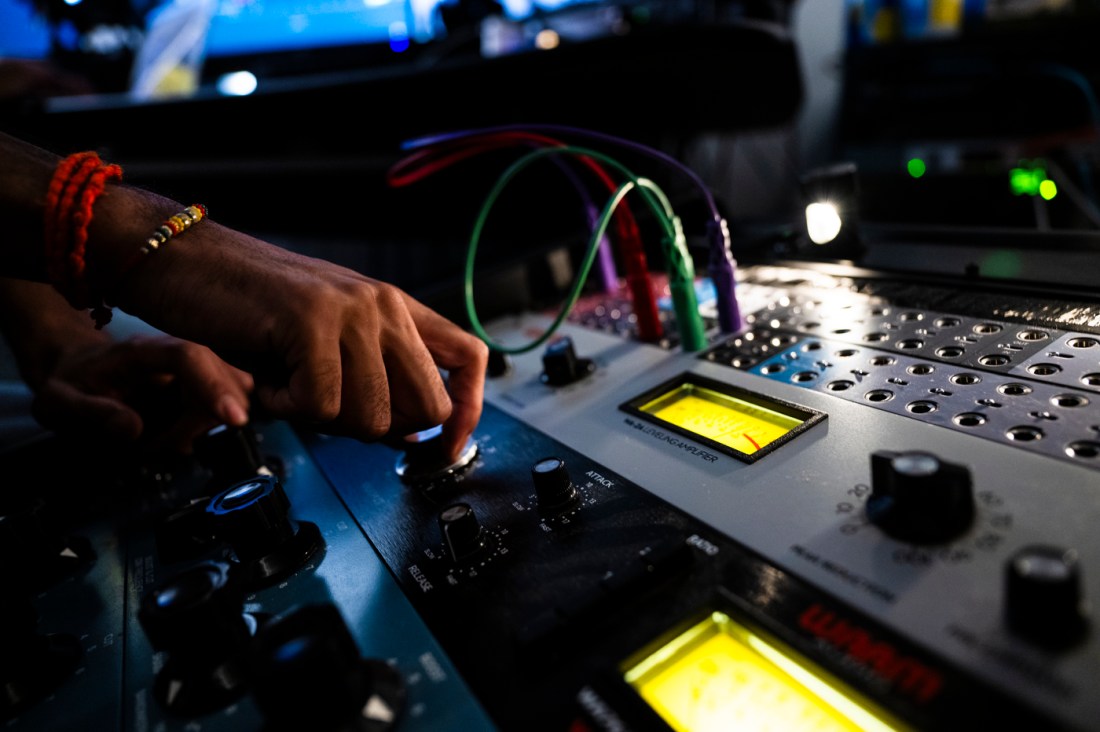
{"type": "Point", "coordinates": [1048, 189]}
{"type": "Point", "coordinates": [1025, 181]}
{"type": "Point", "coordinates": [916, 167]}
{"type": "Point", "coordinates": [1027, 178]}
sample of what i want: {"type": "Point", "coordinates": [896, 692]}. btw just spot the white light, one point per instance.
{"type": "Point", "coordinates": [237, 84]}
{"type": "Point", "coordinates": [547, 39]}
{"type": "Point", "coordinates": [72, 2]}
{"type": "Point", "coordinates": [822, 222]}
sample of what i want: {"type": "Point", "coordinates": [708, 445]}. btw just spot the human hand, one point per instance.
{"type": "Point", "coordinates": [161, 390]}
{"type": "Point", "coordinates": [327, 346]}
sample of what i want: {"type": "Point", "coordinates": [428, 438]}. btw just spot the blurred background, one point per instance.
{"type": "Point", "coordinates": [957, 137]}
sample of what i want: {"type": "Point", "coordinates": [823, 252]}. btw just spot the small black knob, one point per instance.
{"type": "Point", "coordinates": [231, 454]}
{"type": "Point", "coordinates": [1043, 596]}
{"type": "Point", "coordinates": [499, 364]}
{"type": "Point", "coordinates": [253, 516]}
{"type": "Point", "coordinates": [554, 489]}
{"type": "Point", "coordinates": [308, 674]}
{"type": "Point", "coordinates": [463, 535]}
{"type": "Point", "coordinates": [917, 497]}
{"type": "Point", "coordinates": [562, 366]}
{"type": "Point", "coordinates": [196, 617]}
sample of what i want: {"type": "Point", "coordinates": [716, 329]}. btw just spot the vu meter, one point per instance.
{"type": "Point", "coordinates": [720, 675]}
{"type": "Point", "coordinates": [734, 421]}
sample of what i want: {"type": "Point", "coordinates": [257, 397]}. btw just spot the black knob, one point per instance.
{"type": "Point", "coordinates": [554, 489]}
{"type": "Point", "coordinates": [231, 454]}
{"type": "Point", "coordinates": [253, 516]}
{"type": "Point", "coordinates": [1043, 596]}
{"type": "Point", "coordinates": [308, 674]}
{"type": "Point", "coordinates": [561, 365]}
{"type": "Point", "coordinates": [463, 535]}
{"type": "Point", "coordinates": [918, 498]}
{"type": "Point", "coordinates": [499, 364]}
{"type": "Point", "coordinates": [424, 460]}
{"type": "Point", "coordinates": [197, 618]}
{"type": "Point", "coordinates": [32, 664]}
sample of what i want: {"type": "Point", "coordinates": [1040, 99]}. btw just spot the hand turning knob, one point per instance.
{"type": "Point", "coordinates": [425, 461]}
{"type": "Point", "coordinates": [917, 497]}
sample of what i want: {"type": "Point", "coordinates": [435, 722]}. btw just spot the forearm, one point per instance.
{"type": "Point", "coordinates": [121, 218]}
{"type": "Point", "coordinates": [25, 173]}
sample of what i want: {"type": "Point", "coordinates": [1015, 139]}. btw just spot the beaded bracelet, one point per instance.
{"type": "Point", "coordinates": [77, 182]}
{"type": "Point", "coordinates": [174, 226]}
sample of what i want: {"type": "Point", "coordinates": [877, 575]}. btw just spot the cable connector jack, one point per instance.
{"type": "Point", "coordinates": [681, 285]}
{"type": "Point", "coordinates": [722, 269]}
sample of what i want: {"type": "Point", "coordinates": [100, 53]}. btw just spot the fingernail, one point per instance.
{"type": "Point", "coordinates": [232, 412]}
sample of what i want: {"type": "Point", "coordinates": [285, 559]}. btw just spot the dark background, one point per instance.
{"type": "Point", "coordinates": [753, 96]}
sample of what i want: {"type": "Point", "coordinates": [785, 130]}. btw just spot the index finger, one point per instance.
{"type": "Point", "coordinates": [465, 358]}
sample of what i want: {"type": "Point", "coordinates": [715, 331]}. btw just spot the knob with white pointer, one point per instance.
{"type": "Point", "coordinates": [1043, 597]}
{"type": "Point", "coordinates": [463, 535]}
{"type": "Point", "coordinates": [554, 489]}
{"type": "Point", "coordinates": [919, 498]}
{"type": "Point", "coordinates": [562, 366]}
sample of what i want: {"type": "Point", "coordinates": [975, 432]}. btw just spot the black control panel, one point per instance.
{"type": "Point", "coordinates": [635, 538]}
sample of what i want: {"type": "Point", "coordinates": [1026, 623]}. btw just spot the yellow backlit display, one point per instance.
{"type": "Point", "coordinates": [719, 675]}
{"type": "Point", "coordinates": [725, 419]}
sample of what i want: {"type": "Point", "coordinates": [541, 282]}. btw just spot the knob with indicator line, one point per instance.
{"type": "Point", "coordinates": [253, 517]}
{"type": "Point", "coordinates": [919, 498]}
{"type": "Point", "coordinates": [562, 366]}
{"type": "Point", "coordinates": [463, 534]}
{"type": "Point", "coordinates": [1043, 597]}
{"type": "Point", "coordinates": [554, 489]}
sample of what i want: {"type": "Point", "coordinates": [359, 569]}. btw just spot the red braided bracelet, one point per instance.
{"type": "Point", "coordinates": [78, 181]}
{"type": "Point", "coordinates": [69, 179]}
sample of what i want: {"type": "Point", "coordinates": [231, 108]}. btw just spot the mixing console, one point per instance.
{"type": "Point", "coordinates": [872, 508]}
